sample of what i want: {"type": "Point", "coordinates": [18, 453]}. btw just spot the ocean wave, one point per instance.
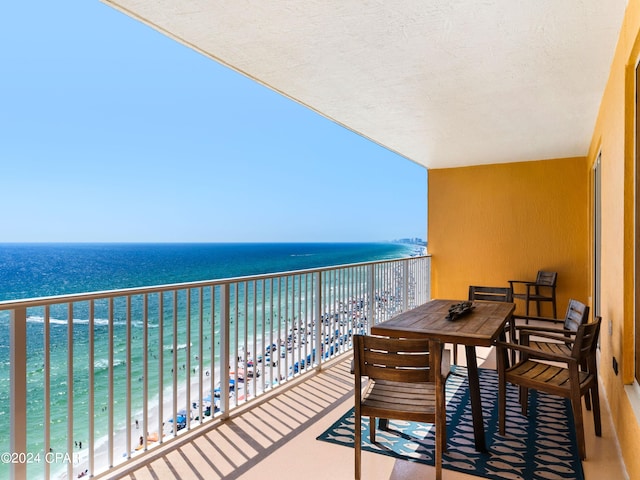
{"type": "Point", "coordinates": [103, 363]}
{"type": "Point", "coordinates": [99, 322]}
{"type": "Point", "coordinates": [181, 346]}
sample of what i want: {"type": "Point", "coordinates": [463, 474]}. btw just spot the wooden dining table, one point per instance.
{"type": "Point", "coordinates": [482, 326]}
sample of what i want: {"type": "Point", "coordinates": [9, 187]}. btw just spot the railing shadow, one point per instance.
{"type": "Point", "coordinates": [228, 449]}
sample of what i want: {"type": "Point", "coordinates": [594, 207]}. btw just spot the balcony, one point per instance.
{"type": "Point", "coordinates": [277, 438]}
{"type": "Point", "coordinates": [267, 426]}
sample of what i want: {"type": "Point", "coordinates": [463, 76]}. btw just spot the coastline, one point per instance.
{"type": "Point", "coordinates": [136, 431]}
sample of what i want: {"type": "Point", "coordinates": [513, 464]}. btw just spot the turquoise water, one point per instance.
{"type": "Point", "coordinates": [42, 270]}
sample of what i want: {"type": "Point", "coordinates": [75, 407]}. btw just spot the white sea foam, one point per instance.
{"type": "Point", "coordinates": [98, 322]}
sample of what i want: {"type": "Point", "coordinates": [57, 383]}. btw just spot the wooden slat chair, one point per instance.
{"type": "Point", "coordinates": [555, 374]}
{"type": "Point", "coordinates": [577, 314]}
{"type": "Point", "coordinates": [483, 293]}
{"type": "Point", "coordinates": [405, 383]}
{"type": "Point", "coordinates": [542, 290]}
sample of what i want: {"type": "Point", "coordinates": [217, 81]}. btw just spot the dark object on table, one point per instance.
{"type": "Point", "coordinates": [458, 310]}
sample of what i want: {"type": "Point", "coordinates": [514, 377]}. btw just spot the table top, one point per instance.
{"type": "Point", "coordinates": [480, 327]}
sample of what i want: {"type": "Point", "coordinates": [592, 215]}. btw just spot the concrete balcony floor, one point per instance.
{"type": "Point", "coordinates": [277, 439]}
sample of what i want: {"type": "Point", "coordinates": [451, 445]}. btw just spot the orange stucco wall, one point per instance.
{"type": "Point", "coordinates": [493, 223]}
{"type": "Point", "coordinates": [614, 137]}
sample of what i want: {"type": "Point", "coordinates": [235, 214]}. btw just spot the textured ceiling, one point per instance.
{"type": "Point", "coordinates": [442, 82]}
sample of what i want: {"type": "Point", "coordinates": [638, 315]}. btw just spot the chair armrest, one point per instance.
{"type": "Point", "coordinates": [562, 336]}
{"type": "Point", "coordinates": [526, 282]}
{"type": "Point", "coordinates": [539, 354]}
{"type": "Point", "coordinates": [535, 329]}
{"type": "Point", "coordinates": [540, 319]}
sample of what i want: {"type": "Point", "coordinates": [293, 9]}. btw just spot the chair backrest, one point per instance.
{"type": "Point", "coordinates": [577, 314]}
{"type": "Point", "coordinates": [494, 294]}
{"type": "Point", "coordinates": [396, 359]}
{"type": "Point", "coordinates": [548, 279]}
{"type": "Point", "coordinates": [586, 342]}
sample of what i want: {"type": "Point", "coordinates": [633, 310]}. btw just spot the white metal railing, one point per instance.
{"type": "Point", "coordinates": [98, 378]}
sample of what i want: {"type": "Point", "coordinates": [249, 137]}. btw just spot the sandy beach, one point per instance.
{"type": "Point", "coordinates": [151, 434]}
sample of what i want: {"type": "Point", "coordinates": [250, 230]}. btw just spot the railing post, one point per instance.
{"type": "Point", "coordinates": [318, 324]}
{"type": "Point", "coordinates": [372, 299]}
{"type": "Point", "coordinates": [160, 365]}
{"type": "Point", "coordinates": [128, 378]}
{"type": "Point", "coordinates": [224, 349]}
{"type": "Point", "coordinates": [428, 279]}
{"type": "Point", "coordinates": [110, 394]}
{"type": "Point", "coordinates": [405, 285]}
{"type": "Point", "coordinates": [18, 405]}
{"type": "Point", "coordinates": [70, 419]}
{"type": "Point", "coordinates": [47, 388]}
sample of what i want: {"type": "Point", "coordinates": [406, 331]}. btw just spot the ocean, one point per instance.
{"type": "Point", "coordinates": [37, 270]}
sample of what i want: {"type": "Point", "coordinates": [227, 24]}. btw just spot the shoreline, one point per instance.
{"type": "Point", "coordinates": [101, 449]}
{"type": "Point", "coordinates": [245, 389]}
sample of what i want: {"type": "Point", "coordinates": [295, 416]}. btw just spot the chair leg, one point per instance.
{"type": "Point", "coordinates": [587, 398]}
{"type": "Point", "coordinates": [502, 405]}
{"type": "Point", "coordinates": [576, 406]}
{"type": "Point", "coordinates": [512, 339]}
{"type": "Point", "coordinates": [455, 353]}
{"type": "Point", "coordinates": [595, 400]}
{"type": "Point", "coordinates": [537, 289]}
{"type": "Point", "coordinates": [440, 425]}
{"type": "Point", "coordinates": [439, 448]}
{"type": "Point", "coordinates": [524, 400]}
{"type": "Point", "coordinates": [357, 445]}
{"type": "Point", "coordinates": [372, 429]}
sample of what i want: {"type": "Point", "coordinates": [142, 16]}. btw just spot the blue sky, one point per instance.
{"type": "Point", "coordinates": [111, 132]}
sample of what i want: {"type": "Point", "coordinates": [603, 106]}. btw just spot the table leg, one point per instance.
{"type": "Point", "coordinates": [476, 401]}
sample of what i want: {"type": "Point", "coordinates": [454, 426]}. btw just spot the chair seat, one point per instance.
{"type": "Point", "coordinates": [533, 374]}
{"type": "Point", "coordinates": [383, 398]}
{"type": "Point", "coordinates": [552, 347]}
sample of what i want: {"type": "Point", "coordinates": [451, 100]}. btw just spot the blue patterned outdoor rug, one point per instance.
{"type": "Point", "coordinates": [541, 446]}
